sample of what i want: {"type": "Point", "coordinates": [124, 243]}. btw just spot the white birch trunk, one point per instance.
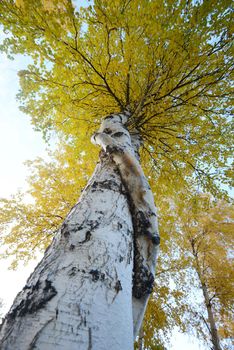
{"type": "Point", "coordinates": [80, 294]}
{"type": "Point", "coordinates": [211, 320]}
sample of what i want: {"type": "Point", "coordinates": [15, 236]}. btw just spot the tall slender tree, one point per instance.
{"type": "Point", "coordinates": [160, 71]}
{"type": "Point", "coordinates": [207, 227]}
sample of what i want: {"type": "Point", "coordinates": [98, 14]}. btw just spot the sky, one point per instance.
{"type": "Point", "coordinates": [18, 143]}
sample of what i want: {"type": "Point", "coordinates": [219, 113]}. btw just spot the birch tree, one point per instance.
{"type": "Point", "coordinates": [208, 232]}
{"type": "Point", "coordinates": [199, 299]}
{"type": "Point", "coordinates": [154, 74]}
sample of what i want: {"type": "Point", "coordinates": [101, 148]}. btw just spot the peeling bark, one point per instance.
{"type": "Point", "coordinates": [116, 141]}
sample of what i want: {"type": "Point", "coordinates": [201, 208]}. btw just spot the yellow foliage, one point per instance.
{"type": "Point", "coordinates": [29, 221]}
{"type": "Point", "coordinates": [207, 227]}
{"type": "Point", "coordinates": [168, 62]}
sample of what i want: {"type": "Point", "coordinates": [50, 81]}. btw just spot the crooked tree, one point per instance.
{"type": "Point", "coordinates": [160, 74]}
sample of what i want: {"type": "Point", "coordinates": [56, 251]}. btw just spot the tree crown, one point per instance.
{"type": "Point", "coordinates": [168, 62]}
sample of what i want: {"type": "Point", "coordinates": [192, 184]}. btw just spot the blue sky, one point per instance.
{"type": "Point", "coordinates": [18, 141]}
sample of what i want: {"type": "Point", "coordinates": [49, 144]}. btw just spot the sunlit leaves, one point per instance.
{"type": "Point", "coordinates": [207, 227]}
{"type": "Point", "coordinates": [197, 236]}
{"type": "Point", "coordinates": [169, 62]}
{"type": "Point", "coordinates": [28, 221]}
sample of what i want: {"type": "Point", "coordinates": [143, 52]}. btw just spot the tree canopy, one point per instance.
{"type": "Point", "coordinates": [168, 62]}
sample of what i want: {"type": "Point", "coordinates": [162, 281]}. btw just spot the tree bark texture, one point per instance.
{"type": "Point", "coordinates": [81, 295]}
{"type": "Point", "coordinates": [211, 320]}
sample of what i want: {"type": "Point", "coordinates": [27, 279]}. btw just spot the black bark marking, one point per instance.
{"type": "Point", "coordinates": [36, 297]}
{"type": "Point", "coordinates": [65, 230]}
{"type": "Point", "coordinates": [92, 224]}
{"type": "Point", "coordinates": [156, 239]}
{"type": "Point", "coordinates": [114, 149]}
{"type": "Point", "coordinates": [107, 131]}
{"type": "Point", "coordinates": [96, 275]}
{"type": "Point", "coordinates": [128, 232]}
{"type": "Point", "coordinates": [118, 286]}
{"type": "Point", "coordinates": [87, 237]}
{"type": "Point", "coordinates": [118, 134]}
{"type": "Point", "coordinates": [143, 227]}
{"type": "Point", "coordinates": [129, 255]}
{"type": "Point", "coordinates": [99, 212]}
{"type": "Point", "coordinates": [90, 339]}
{"type": "Point", "coordinates": [66, 234]}
{"type": "Point", "coordinates": [143, 279]}
{"type": "Point", "coordinates": [74, 270]}
{"type": "Point", "coordinates": [142, 221]}
{"type": "Point", "coordinates": [105, 185]}
{"type": "Point", "coordinates": [123, 191]}
{"type": "Point", "coordinates": [109, 117]}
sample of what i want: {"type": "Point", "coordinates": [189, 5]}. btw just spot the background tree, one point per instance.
{"type": "Point", "coordinates": [168, 63]}
{"type": "Point", "coordinates": [207, 227]}
{"type": "Point", "coordinates": [194, 279]}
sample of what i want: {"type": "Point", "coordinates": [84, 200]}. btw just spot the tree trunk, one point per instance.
{"type": "Point", "coordinates": [80, 294]}
{"type": "Point", "coordinates": [211, 320]}
{"type": "Point", "coordinates": [212, 326]}
{"type": "Point", "coordinates": [141, 339]}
